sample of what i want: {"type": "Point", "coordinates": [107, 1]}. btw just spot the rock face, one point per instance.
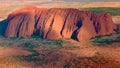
{"type": "Point", "coordinates": [56, 23]}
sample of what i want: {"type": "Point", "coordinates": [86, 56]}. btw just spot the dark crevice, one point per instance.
{"type": "Point", "coordinates": [79, 24]}
{"type": "Point", "coordinates": [21, 22]}
{"type": "Point", "coordinates": [50, 28]}
{"type": "Point", "coordinates": [36, 21]}
{"type": "Point", "coordinates": [37, 31]}
{"type": "Point", "coordinates": [10, 17]}
{"type": "Point", "coordinates": [64, 24]}
{"type": "Point", "coordinates": [74, 34]}
{"type": "Point", "coordinates": [43, 24]}
{"type": "Point", "coordinates": [51, 24]}
{"type": "Point", "coordinates": [97, 27]}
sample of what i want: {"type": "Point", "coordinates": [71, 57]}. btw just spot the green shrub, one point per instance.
{"type": "Point", "coordinates": [98, 36]}
{"type": "Point", "coordinates": [28, 44]}
{"type": "Point", "coordinates": [36, 37]}
{"type": "Point", "coordinates": [104, 40]}
{"type": "Point", "coordinates": [53, 42]}
{"type": "Point", "coordinates": [32, 57]}
{"type": "Point", "coordinates": [67, 65]}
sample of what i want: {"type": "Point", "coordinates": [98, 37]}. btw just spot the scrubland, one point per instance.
{"type": "Point", "coordinates": [36, 52]}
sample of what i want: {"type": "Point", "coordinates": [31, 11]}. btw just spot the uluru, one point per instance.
{"type": "Point", "coordinates": [59, 34]}
{"type": "Point", "coordinates": [57, 23]}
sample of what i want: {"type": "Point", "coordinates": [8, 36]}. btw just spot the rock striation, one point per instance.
{"type": "Point", "coordinates": [56, 23]}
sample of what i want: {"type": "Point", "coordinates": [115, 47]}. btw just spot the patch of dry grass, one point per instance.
{"type": "Point", "coordinates": [71, 54]}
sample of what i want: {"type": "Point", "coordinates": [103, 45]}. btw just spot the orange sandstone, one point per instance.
{"type": "Point", "coordinates": [56, 23]}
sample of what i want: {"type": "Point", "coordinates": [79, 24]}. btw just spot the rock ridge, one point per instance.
{"type": "Point", "coordinates": [56, 23]}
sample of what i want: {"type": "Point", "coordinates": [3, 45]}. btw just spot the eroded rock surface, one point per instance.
{"type": "Point", "coordinates": [56, 23]}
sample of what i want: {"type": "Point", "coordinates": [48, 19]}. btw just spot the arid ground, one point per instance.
{"type": "Point", "coordinates": [35, 52]}
{"type": "Point", "coordinates": [40, 53]}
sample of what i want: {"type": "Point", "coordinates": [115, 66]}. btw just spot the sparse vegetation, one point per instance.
{"type": "Point", "coordinates": [118, 29]}
{"type": "Point", "coordinates": [51, 42]}
{"type": "Point", "coordinates": [108, 39]}
{"type": "Point", "coordinates": [30, 58]}
{"type": "Point", "coordinates": [36, 37]}
{"type": "Point", "coordinates": [30, 44]}
{"type": "Point", "coordinates": [9, 41]}
{"type": "Point", "coordinates": [50, 55]}
{"type": "Point", "coordinates": [92, 62]}
{"type": "Point", "coordinates": [112, 11]}
{"type": "Point", "coordinates": [62, 53]}
{"type": "Point", "coordinates": [9, 59]}
{"type": "Point", "coordinates": [105, 40]}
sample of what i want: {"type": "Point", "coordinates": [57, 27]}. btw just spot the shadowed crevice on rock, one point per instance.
{"type": "Point", "coordinates": [56, 23]}
{"type": "Point", "coordinates": [74, 34]}
{"type": "Point", "coordinates": [19, 25]}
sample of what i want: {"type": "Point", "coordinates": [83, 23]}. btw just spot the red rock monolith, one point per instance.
{"type": "Point", "coordinates": [56, 23]}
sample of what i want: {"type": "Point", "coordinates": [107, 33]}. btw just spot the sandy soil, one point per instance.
{"type": "Point", "coordinates": [8, 61]}
{"type": "Point", "coordinates": [116, 19]}
{"type": "Point", "coordinates": [111, 51]}
{"type": "Point", "coordinates": [11, 51]}
{"type": "Point", "coordinates": [71, 51]}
